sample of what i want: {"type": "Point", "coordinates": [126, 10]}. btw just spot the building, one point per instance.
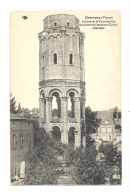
{"type": "Point", "coordinates": [109, 129]}
{"type": "Point", "coordinates": [62, 78]}
{"type": "Point", "coordinates": [21, 143]}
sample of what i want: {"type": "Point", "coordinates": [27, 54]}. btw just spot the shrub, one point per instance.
{"type": "Point", "coordinates": [86, 170]}
{"type": "Point", "coordinates": [42, 166]}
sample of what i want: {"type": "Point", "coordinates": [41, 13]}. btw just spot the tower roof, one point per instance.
{"type": "Point", "coordinates": [60, 20]}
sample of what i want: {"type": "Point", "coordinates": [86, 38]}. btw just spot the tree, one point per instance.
{"type": "Point", "coordinates": [43, 166]}
{"type": "Point", "coordinates": [110, 153]}
{"type": "Point", "coordinates": [113, 162]}
{"type": "Point", "coordinates": [26, 112]}
{"type": "Point", "coordinates": [115, 111]}
{"type": "Point", "coordinates": [87, 170]}
{"type": "Point", "coordinates": [19, 108]}
{"type": "Point", "coordinates": [92, 124]}
{"type": "Point", "coordinates": [13, 104]}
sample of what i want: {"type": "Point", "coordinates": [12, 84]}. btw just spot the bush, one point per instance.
{"type": "Point", "coordinates": [42, 166]}
{"type": "Point", "coordinates": [85, 168]}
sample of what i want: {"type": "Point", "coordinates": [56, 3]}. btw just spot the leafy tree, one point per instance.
{"type": "Point", "coordinates": [26, 112]}
{"type": "Point", "coordinates": [115, 110]}
{"type": "Point", "coordinates": [92, 124]}
{"type": "Point", "coordinates": [19, 108]}
{"type": "Point", "coordinates": [43, 166]}
{"type": "Point", "coordinates": [13, 104]}
{"type": "Point", "coordinates": [87, 170]}
{"type": "Point", "coordinates": [110, 153]}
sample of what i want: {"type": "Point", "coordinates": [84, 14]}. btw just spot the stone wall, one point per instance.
{"type": "Point", "coordinates": [18, 154]}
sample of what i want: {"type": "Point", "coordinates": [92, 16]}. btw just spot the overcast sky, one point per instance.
{"type": "Point", "coordinates": [102, 59]}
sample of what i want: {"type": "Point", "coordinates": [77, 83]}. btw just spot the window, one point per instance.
{"type": "Point", "coordinates": [55, 24]}
{"type": "Point", "coordinates": [13, 123]}
{"type": "Point", "coordinates": [71, 59]}
{"type": "Point", "coordinates": [28, 123]}
{"type": "Point", "coordinates": [103, 130]}
{"type": "Point", "coordinates": [55, 58]}
{"type": "Point", "coordinates": [28, 139]}
{"type": "Point", "coordinates": [68, 23]}
{"type": "Point", "coordinates": [109, 137]}
{"type": "Point", "coordinates": [14, 140]}
{"type": "Point", "coordinates": [21, 140]}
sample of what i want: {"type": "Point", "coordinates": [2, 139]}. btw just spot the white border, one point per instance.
{"type": "Point", "coordinates": [5, 8]}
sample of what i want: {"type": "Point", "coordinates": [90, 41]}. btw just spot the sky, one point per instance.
{"type": "Point", "coordinates": [102, 59]}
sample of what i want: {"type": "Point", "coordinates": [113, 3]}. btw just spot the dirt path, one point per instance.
{"type": "Point", "coordinates": [66, 177]}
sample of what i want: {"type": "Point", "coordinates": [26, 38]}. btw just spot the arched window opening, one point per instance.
{"type": "Point", "coordinates": [81, 107]}
{"type": "Point", "coordinates": [56, 106]}
{"type": "Point", "coordinates": [55, 58]}
{"type": "Point", "coordinates": [71, 136]}
{"type": "Point", "coordinates": [71, 58]}
{"type": "Point", "coordinates": [68, 23]}
{"type": "Point", "coordinates": [56, 134]}
{"type": "Point", "coordinates": [71, 105]}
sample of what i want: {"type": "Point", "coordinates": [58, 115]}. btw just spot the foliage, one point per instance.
{"type": "Point", "coordinates": [69, 154]}
{"type": "Point", "coordinates": [19, 108]}
{"type": "Point", "coordinates": [43, 166]}
{"type": "Point", "coordinates": [115, 110]}
{"type": "Point", "coordinates": [112, 160]}
{"type": "Point", "coordinates": [13, 104]}
{"type": "Point", "coordinates": [92, 122]}
{"type": "Point", "coordinates": [26, 112]}
{"type": "Point", "coordinates": [110, 153]}
{"type": "Point", "coordinates": [87, 170]}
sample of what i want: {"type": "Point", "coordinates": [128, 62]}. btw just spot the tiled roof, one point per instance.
{"type": "Point", "coordinates": [105, 116]}
{"type": "Point", "coordinates": [19, 117]}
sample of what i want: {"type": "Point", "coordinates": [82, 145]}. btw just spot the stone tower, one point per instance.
{"type": "Point", "coordinates": [62, 77]}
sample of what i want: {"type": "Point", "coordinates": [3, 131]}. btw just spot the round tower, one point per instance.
{"type": "Point", "coordinates": [62, 77]}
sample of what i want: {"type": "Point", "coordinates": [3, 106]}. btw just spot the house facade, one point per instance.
{"type": "Point", "coordinates": [108, 130]}
{"type": "Point", "coordinates": [21, 144]}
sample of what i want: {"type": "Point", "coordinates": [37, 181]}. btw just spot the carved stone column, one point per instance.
{"type": "Point", "coordinates": [78, 119]}
{"type": "Point", "coordinates": [43, 108]}
{"type": "Point", "coordinates": [64, 114]}
{"type": "Point", "coordinates": [48, 112]}
{"type": "Point", "coordinates": [84, 134]}
{"type": "Point", "coordinates": [40, 111]}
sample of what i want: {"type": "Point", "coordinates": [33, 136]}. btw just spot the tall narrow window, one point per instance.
{"type": "Point", "coordinates": [109, 137]}
{"type": "Point", "coordinates": [55, 58]}
{"type": "Point", "coordinates": [68, 23]}
{"type": "Point", "coordinates": [14, 140]}
{"type": "Point", "coordinates": [71, 59]}
{"type": "Point", "coordinates": [28, 139]}
{"type": "Point", "coordinates": [21, 140]}
{"type": "Point", "coordinates": [55, 24]}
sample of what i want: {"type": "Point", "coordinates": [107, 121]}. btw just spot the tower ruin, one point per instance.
{"type": "Point", "coordinates": [62, 77]}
